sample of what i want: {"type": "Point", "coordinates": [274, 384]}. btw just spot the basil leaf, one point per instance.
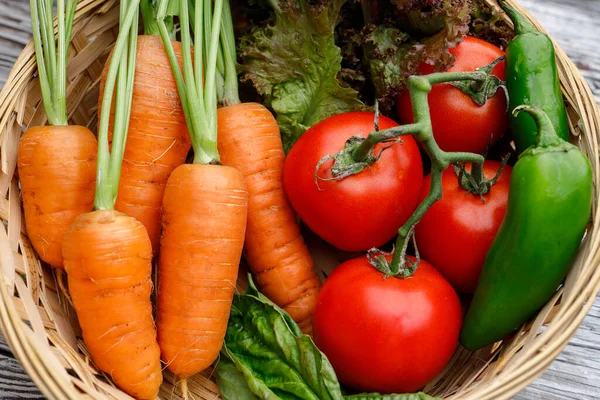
{"type": "Point", "coordinates": [275, 358]}
{"type": "Point", "coordinates": [231, 382]}
{"type": "Point", "coordinates": [377, 396]}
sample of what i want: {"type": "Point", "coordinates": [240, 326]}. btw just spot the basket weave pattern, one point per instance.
{"type": "Point", "coordinates": [41, 327]}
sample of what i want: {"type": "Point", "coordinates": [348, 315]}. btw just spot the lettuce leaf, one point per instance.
{"type": "Point", "coordinates": [487, 24]}
{"type": "Point", "coordinates": [421, 31]}
{"type": "Point", "coordinates": [294, 63]}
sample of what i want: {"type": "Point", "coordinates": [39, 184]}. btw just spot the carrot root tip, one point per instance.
{"type": "Point", "coordinates": [184, 389]}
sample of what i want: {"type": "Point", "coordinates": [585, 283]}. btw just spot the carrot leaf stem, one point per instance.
{"type": "Point", "coordinates": [149, 10]}
{"type": "Point", "coordinates": [61, 69]}
{"type": "Point", "coordinates": [119, 81]}
{"type": "Point", "coordinates": [198, 15]}
{"type": "Point", "coordinates": [196, 84]}
{"type": "Point", "coordinates": [210, 98]}
{"type": "Point", "coordinates": [52, 54]}
{"type": "Point", "coordinates": [48, 39]}
{"type": "Point", "coordinates": [230, 84]}
{"type": "Point", "coordinates": [38, 33]}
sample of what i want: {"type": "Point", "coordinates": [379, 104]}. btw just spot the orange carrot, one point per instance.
{"type": "Point", "coordinates": [108, 262]}
{"type": "Point", "coordinates": [56, 163]}
{"type": "Point", "coordinates": [249, 140]}
{"type": "Point", "coordinates": [204, 214]}
{"type": "Point", "coordinates": [108, 255]}
{"type": "Point", "coordinates": [57, 169]}
{"type": "Point", "coordinates": [204, 218]}
{"type": "Point", "coordinates": [157, 141]}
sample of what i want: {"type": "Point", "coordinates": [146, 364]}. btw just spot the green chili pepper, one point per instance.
{"type": "Point", "coordinates": [532, 78]}
{"type": "Point", "coordinates": [548, 210]}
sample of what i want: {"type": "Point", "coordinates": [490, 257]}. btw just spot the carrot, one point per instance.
{"type": "Point", "coordinates": [108, 255]}
{"type": "Point", "coordinates": [249, 140]}
{"type": "Point", "coordinates": [204, 212]}
{"type": "Point", "coordinates": [204, 216]}
{"type": "Point", "coordinates": [56, 163]}
{"type": "Point", "coordinates": [157, 141]}
{"type": "Point", "coordinates": [108, 261]}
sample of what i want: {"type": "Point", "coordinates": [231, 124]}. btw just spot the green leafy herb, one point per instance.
{"type": "Point", "coordinates": [294, 63]}
{"type": "Point", "coordinates": [231, 382]}
{"type": "Point", "coordinates": [276, 359]}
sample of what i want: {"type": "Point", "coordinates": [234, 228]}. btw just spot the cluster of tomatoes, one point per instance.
{"type": "Point", "coordinates": [387, 334]}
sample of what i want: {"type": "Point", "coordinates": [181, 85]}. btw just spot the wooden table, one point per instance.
{"type": "Point", "coordinates": [575, 25]}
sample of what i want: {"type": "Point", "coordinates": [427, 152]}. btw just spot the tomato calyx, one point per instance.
{"type": "Point", "coordinates": [379, 260]}
{"type": "Point", "coordinates": [482, 90]}
{"type": "Point", "coordinates": [353, 159]}
{"type": "Point", "coordinates": [474, 181]}
{"type": "Point", "coordinates": [345, 163]}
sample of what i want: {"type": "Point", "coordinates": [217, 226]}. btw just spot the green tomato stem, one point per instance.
{"type": "Point", "coordinates": [366, 147]}
{"type": "Point", "coordinates": [419, 88]}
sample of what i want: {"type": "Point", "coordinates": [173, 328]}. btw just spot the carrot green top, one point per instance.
{"type": "Point", "coordinates": [230, 94]}
{"type": "Point", "coordinates": [149, 9]}
{"type": "Point", "coordinates": [119, 81]}
{"type": "Point", "coordinates": [51, 54]}
{"type": "Point", "coordinates": [198, 95]}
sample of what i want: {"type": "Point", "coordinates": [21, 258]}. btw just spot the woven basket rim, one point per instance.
{"type": "Point", "coordinates": [513, 369]}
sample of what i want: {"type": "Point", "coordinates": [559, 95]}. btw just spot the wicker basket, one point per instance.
{"type": "Point", "coordinates": [42, 330]}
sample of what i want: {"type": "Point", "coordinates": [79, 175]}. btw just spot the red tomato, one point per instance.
{"type": "Point", "coordinates": [459, 124]}
{"type": "Point", "coordinates": [386, 335]}
{"type": "Point", "coordinates": [363, 210]}
{"type": "Point", "coordinates": [456, 232]}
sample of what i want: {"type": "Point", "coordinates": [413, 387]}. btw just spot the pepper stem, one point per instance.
{"type": "Point", "coordinates": [522, 25]}
{"type": "Point", "coordinates": [546, 135]}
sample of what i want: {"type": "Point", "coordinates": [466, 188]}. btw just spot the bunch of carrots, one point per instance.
{"type": "Point", "coordinates": [104, 209]}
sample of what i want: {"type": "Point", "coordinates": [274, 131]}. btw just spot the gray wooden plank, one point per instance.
{"type": "Point", "coordinates": [15, 31]}
{"type": "Point", "coordinates": [573, 23]}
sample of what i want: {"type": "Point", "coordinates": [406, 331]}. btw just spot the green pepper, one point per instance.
{"type": "Point", "coordinates": [532, 78]}
{"type": "Point", "coordinates": [549, 207]}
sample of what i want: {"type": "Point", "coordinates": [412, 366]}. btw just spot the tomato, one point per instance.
{"type": "Point", "coordinates": [459, 124]}
{"type": "Point", "coordinates": [363, 210]}
{"type": "Point", "coordinates": [456, 232]}
{"type": "Point", "coordinates": [386, 335]}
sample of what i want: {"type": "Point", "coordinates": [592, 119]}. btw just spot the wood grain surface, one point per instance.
{"type": "Point", "coordinates": [575, 24]}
